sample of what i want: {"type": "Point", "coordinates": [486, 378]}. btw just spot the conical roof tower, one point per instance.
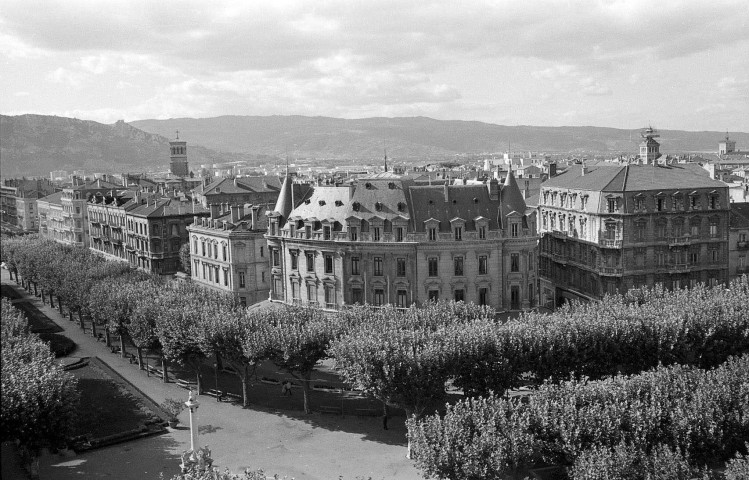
{"type": "Point", "coordinates": [511, 198]}
{"type": "Point", "coordinates": [285, 202]}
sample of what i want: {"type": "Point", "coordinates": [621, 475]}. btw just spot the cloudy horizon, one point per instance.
{"type": "Point", "coordinates": [623, 64]}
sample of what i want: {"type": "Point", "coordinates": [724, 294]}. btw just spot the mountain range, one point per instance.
{"type": "Point", "coordinates": [37, 144]}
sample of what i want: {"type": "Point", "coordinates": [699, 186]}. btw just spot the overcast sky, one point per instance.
{"type": "Point", "coordinates": [625, 64]}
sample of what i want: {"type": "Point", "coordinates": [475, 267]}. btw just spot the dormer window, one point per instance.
{"type": "Point", "coordinates": [458, 233]}
{"type": "Point", "coordinates": [401, 206]}
{"type": "Point", "coordinates": [611, 205]}
{"type": "Point", "coordinates": [356, 206]}
{"type": "Point", "coordinates": [321, 202]}
{"type": "Point", "coordinates": [391, 186]}
{"type": "Point", "coordinates": [378, 206]}
{"type": "Point", "coordinates": [338, 203]}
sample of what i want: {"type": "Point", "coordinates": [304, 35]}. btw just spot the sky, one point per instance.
{"type": "Point", "coordinates": [624, 64]}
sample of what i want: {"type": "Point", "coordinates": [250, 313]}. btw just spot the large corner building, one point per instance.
{"type": "Point", "coordinates": [385, 240]}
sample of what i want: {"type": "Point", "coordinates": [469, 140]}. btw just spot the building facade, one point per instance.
{"type": "Point", "coordinates": [74, 229]}
{"type": "Point", "coordinates": [606, 229]}
{"type": "Point", "coordinates": [738, 241]}
{"type": "Point", "coordinates": [228, 252]}
{"type": "Point", "coordinates": [51, 220]}
{"type": "Point", "coordinates": [156, 230]}
{"type": "Point", "coordinates": [107, 223]}
{"type": "Point", "coordinates": [385, 240]}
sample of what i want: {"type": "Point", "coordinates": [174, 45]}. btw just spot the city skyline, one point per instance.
{"type": "Point", "coordinates": [616, 64]}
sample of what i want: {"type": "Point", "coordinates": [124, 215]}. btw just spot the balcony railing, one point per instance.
{"type": "Point", "coordinates": [610, 242]}
{"type": "Point", "coordinates": [679, 268]}
{"type": "Point", "coordinates": [680, 240]}
{"type": "Point", "coordinates": [609, 271]}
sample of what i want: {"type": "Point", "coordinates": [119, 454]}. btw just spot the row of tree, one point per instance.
{"type": "Point", "coordinates": [403, 358]}
{"type": "Point", "coordinates": [682, 416]}
{"type": "Point", "coordinates": [38, 398]}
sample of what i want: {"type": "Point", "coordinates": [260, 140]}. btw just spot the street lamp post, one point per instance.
{"type": "Point", "coordinates": [197, 459]}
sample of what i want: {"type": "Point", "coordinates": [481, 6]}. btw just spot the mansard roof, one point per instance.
{"type": "Point", "coordinates": [463, 201]}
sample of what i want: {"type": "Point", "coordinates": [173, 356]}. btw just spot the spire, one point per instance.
{"type": "Point", "coordinates": [285, 202]}
{"type": "Point", "coordinates": [386, 159]}
{"type": "Point", "coordinates": [511, 199]}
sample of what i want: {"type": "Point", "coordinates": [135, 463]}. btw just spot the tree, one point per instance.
{"type": "Point", "coordinates": [402, 359]}
{"type": "Point", "coordinates": [39, 399]}
{"type": "Point", "coordinates": [184, 258]}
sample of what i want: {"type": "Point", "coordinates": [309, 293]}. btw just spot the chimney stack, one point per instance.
{"type": "Point", "coordinates": [255, 213]}
{"type": "Point", "coordinates": [446, 190]}
{"type": "Point", "coordinates": [214, 207]}
{"type": "Point", "coordinates": [234, 214]}
{"type": "Point", "coordinates": [241, 210]}
{"type": "Point", "coordinates": [494, 189]}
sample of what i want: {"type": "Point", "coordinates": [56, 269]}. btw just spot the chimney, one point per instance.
{"type": "Point", "coordinates": [214, 210]}
{"type": "Point", "coordinates": [234, 214]}
{"type": "Point", "coordinates": [351, 189]}
{"type": "Point", "coordinates": [241, 210]}
{"type": "Point", "coordinates": [552, 170]}
{"type": "Point", "coordinates": [494, 189]}
{"type": "Point", "coordinates": [255, 214]}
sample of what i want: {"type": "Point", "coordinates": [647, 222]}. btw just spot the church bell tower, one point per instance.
{"type": "Point", "coordinates": [178, 157]}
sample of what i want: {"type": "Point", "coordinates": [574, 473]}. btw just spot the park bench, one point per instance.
{"type": "Point", "coordinates": [270, 381]}
{"type": "Point", "coordinates": [187, 385]}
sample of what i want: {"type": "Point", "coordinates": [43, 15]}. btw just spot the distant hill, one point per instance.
{"type": "Point", "coordinates": [34, 145]}
{"type": "Point", "coordinates": [324, 137]}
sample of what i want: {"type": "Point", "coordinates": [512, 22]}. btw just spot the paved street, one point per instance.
{"type": "Point", "coordinates": [286, 442]}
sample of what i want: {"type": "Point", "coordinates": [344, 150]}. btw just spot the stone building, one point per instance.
{"type": "Point", "coordinates": [74, 228]}
{"type": "Point", "coordinates": [385, 240]}
{"type": "Point", "coordinates": [738, 241]}
{"type": "Point", "coordinates": [228, 252]}
{"type": "Point", "coordinates": [156, 230]}
{"type": "Point", "coordinates": [107, 223]}
{"type": "Point", "coordinates": [608, 228]}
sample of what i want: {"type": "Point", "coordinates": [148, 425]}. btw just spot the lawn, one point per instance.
{"type": "Point", "coordinates": [108, 407]}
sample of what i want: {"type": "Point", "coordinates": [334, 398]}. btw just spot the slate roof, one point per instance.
{"type": "Point", "coordinates": [464, 201]}
{"type": "Point", "coordinates": [54, 199]}
{"type": "Point", "coordinates": [739, 215]}
{"type": "Point", "coordinates": [620, 178]}
{"type": "Point", "coordinates": [269, 183]}
{"type": "Point", "coordinates": [167, 207]}
{"type": "Point", "coordinates": [95, 185]}
{"type": "Point", "coordinates": [511, 200]}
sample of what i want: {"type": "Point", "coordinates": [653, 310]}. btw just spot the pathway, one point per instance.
{"type": "Point", "coordinates": [315, 446]}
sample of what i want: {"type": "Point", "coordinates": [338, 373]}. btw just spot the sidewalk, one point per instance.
{"type": "Point", "coordinates": [315, 446]}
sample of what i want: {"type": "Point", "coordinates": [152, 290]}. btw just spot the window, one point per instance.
{"type": "Point", "coordinates": [482, 232]}
{"type": "Point", "coordinates": [401, 299]}
{"type": "Point", "coordinates": [308, 231]}
{"type": "Point", "coordinates": [713, 230]}
{"type": "Point", "coordinates": [660, 204]}
{"type": "Point", "coordinates": [694, 229]}
{"type": "Point", "coordinates": [276, 258]}
{"type": "Point", "coordinates": [241, 280]}
{"type": "Point", "coordinates": [329, 297]}
{"type": "Point", "coordinates": [376, 234]}
{"type": "Point", "coordinates": [432, 266]}
{"type": "Point", "coordinates": [217, 275]}
{"type": "Point", "coordinates": [379, 297]}
{"type": "Point", "coordinates": [399, 234]}
{"type": "Point", "coordinates": [262, 251]}
{"type": "Point", "coordinates": [514, 227]}
{"type": "Point", "coordinates": [530, 262]}
{"type": "Point", "coordinates": [459, 295]}
{"type": "Point", "coordinates": [353, 233]}
{"type": "Point", "coordinates": [514, 297]}
{"type": "Point", "coordinates": [400, 267]}
{"type": "Point", "coordinates": [612, 205]}
{"type": "Point", "coordinates": [458, 266]}
{"type": "Point", "coordinates": [639, 204]}
{"type": "Point", "coordinates": [356, 296]}
{"type": "Point", "coordinates": [328, 263]}
{"type": "Point", "coordinates": [378, 266]}
{"type": "Point", "coordinates": [262, 277]}
{"type": "Point", "coordinates": [458, 233]}
{"type": "Point", "coordinates": [432, 234]}
{"type": "Point", "coordinates": [483, 294]}
{"type": "Point", "coordinates": [482, 265]}
{"type": "Point", "coordinates": [660, 230]}
{"type": "Point", "coordinates": [226, 277]}
{"type": "Point", "coordinates": [694, 258]}
{"type": "Point", "coordinates": [694, 202]}
{"type": "Point", "coordinates": [434, 295]}
{"type": "Point", "coordinates": [640, 231]}
{"type": "Point", "coordinates": [715, 255]}
{"type": "Point", "coordinates": [310, 261]}
{"type": "Point", "coordinates": [223, 251]}
{"type": "Point", "coordinates": [514, 262]}
{"type": "Point", "coordinates": [530, 294]}
{"type": "Point", "coordinates": [294, 260]}
{"type": "Point", "coordinates": [195, 246]}
{"type": "Point", "coordinates": [195, 270]}
{"type": "Point", "coordinates": [202, 245]}
{"type": "Point", "coordinates": [714, 203]}
{"type": "Point", "coordinates": [326, 233]}
{"type": "Point", "coordinates": [354, 265]}
{"type": "Point", "coordinates": [312, 294]}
